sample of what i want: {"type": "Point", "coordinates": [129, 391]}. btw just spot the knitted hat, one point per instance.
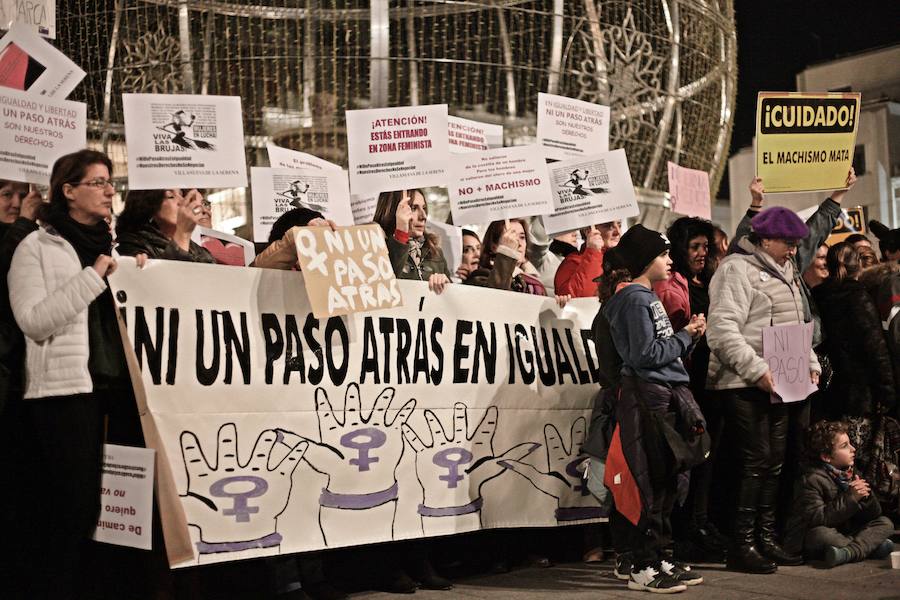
{"type": "Point", "coordinates": [639, 247]}
{"type": "Point", "coordinates": [778, 222]}
{"type": "Point", "coordinates": [888, 239]}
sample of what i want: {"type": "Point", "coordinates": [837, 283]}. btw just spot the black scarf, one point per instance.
{"type": "Point", "coordinates": [89, 241]}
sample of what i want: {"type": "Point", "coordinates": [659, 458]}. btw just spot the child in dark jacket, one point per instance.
{"type": "Point", "coordinates": [836, 515]}
{"type": "Point", "coordinates": [654, 395]}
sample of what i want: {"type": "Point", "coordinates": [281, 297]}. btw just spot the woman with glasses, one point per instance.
{"type": "Point", "coordinates": [159, 224]}
{"type": "Point", "coordinates": [748, 293]}
{"type": "Point", "coordinates": [75, 364]}
{"type": "Point", "coordinates": [415, 254]}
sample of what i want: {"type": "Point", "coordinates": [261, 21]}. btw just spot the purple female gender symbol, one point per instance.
{"type": "Point", "coordinates": [240, 510]}
{"type": "Point", "coordinates": [572, 471]}
{"type": "Point", "coordinates": [374, 438]}
{"type": "Point", "coordinates": [460, 456]}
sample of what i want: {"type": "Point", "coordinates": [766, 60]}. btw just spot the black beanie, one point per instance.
{"type": "Point", "coordinates": [639, 247]}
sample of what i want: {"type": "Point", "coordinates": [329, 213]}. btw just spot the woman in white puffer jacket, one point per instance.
{"type": "Point", "coordinates": [75, 364]}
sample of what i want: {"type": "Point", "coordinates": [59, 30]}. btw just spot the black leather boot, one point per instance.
{"type": "Point", "coordinates": [743, 555]}
{"type": "Point", "coordinates": [768, 541]}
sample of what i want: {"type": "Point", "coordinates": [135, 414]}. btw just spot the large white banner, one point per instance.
{"type": "Point", "coordinates": [184, 141]}
{"type": "Point", "coordinates": [278, 433]}
{"type": "Point", "coordinates": [397, 148]}
{"type": "Point", "coordinates": [37, 130]}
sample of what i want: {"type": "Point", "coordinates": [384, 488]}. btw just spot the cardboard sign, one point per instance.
{"type": "Point", "coordinates": [280, 433]}
{"type": "Point", "coordinates": [30, 63]}
{"type": "Point", "coordinates": [503, 183]}
{"type": "Point", "coordinates": [292, 159]}
{"type": "Point", "coordinates": [589, 191]}
{"type": "Point", "coordinates": [397, 148]}
{"type": "Point", "coordinates": [689, 191]}
{"type": "Point", "coordinates": [805, 142]}
{"type": "Point", "coordinates": [787, 349]}
{"type": "Point", "coordinates": [471, 136]}
{"type": "Point", "coordinates": [276, 191]}
{"type": "Point", "coordinates": [568, 128]}
{"type": "Point", "coordinates": [347, 270]}
{"type": "Point", "coordinates": [227, 249]}
{"type": "Point", "coordinates": [37, 16]}
{"type": "Point", "coordinates": [126, 497]}
{"type": "Point", "coordinates": [37, 130]}
{"type": "Point", "coordinates": [185, 141]}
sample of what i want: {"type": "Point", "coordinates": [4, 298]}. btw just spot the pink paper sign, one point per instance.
{"type": "Point", "coordinates": [787, 349]}
{"type": "Point", "coordinates": [689, 189]}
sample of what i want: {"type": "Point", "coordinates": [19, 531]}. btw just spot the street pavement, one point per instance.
{"type": "Point", "coordinates": [869, 580]}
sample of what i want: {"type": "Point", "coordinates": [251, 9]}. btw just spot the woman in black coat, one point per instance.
{"type": "Point", "coordinates": [862, 384]}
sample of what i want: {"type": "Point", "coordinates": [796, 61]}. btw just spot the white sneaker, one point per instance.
{"type": "Point", "coordinates": [652, 580]}
{"type": "Point", "coordinates": [680, 572]}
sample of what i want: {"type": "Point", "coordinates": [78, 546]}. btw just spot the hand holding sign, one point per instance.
{"type": "Point", "coordinates": [236, 506]}
{"type": "Point", "coordinates": [563, 479]}
{"type": "Point", "coordinates": [788, 350]}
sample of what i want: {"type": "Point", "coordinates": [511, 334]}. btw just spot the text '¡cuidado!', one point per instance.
{"type": "Point", "coordinates": [808, 115]}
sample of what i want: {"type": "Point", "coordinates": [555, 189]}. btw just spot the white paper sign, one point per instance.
{"type": "Point", "coordinates": [363, 208]}
{"type": "Point", "coordinates": [184, 141]}
{"type": "Point", "coordinates": [30, 63]}
{"type": "Point", "coordinates": [37, 131]}
{"type": "Point", "coordinates": [689, 191]}
{"type": "Point", "coordinates": [38, 16]}
{"type": "Point", "coordinates": [276, 191]}
{"type": "Point", "coordinates": [126, 497]}
{"type": "Point", "coordinates": [227, 249]}
{"type": "Point", "coordinates": [567, 127]}
{"type": "Point", "coordinates": [292, 159]}
{"type": "Point", "coordinates": [590, 190]}
{"type": "Point", "coordinates": [397, 148]}
{"type": "Point", "coordinates": [787, 350]}
{"type": "Point", "coordinates": [467, 136]}
{"type": "Point", "coordinates": [503, 183]}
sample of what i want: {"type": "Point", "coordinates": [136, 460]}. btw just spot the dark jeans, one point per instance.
{"type": "Point", "coordinates": [760, 431]}
{"type": "Point", "coordinates": [861, 537]}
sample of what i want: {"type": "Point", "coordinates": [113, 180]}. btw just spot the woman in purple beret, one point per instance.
{"type": "Point", "coordinates": [749, 292]}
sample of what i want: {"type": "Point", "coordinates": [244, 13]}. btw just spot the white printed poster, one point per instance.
{"type": "Point", "coordinates": [286, 158]}
{"type": "Point", "coordinates": [186, 141]}
{"type": "Point", "coordinates": [276, 191]}
{"type": "Point", "coordinates": [126, 497]}
{"type": "Point", "coordinates": [397, 148]}
{"type": "Point", "coordinates": [363, 208]}
{"type": "Point", "coordinates": [31, 63]}
{"type": "Point", "coordinates": [568, 128]}
{"type": "Point", "coordinates": [590, 190]}
{"type": "Point", "coordinates": [503, 183]}
{"type": "Point", "coordinates": [467, 136]}
{"type": "Point", "coordinates": [36, 131]}
{"type": "Point", "coordinates": [279, 433]}
{"type": "Point", "coordinates": [450, 239]}
{"type": "Point", "coordinates": [38, 16]}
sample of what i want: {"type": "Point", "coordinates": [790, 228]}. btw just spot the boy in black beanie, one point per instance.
{"type": "Point", "coordinates": [661, 429]}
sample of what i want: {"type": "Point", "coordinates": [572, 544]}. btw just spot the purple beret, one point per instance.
{"type": "Point", "coordinates": [778, 222]}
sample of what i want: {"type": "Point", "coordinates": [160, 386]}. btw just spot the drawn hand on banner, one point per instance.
{"type": "Point", "coordinates": [236, 506]}
{"type": "Point", "coordinates": [563, 479]}
{"type": "Point", "coordinates": [452, 469]}
{"type": "Point", "coordinates": [358, 451]}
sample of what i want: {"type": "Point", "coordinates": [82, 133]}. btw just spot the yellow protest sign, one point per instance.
{"type": "Point", "coordinates": [852, 220]}
{"type": "Point", "coordinates": [804, 142]}
{"type": "Point", "coordinates": [347, 270]}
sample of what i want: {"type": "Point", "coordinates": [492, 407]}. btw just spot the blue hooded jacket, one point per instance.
{"type": "Point", "coordinates": [644, 338]}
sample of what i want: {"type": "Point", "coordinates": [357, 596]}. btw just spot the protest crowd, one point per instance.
{"type": "Point", "coordinates": [696, 450]}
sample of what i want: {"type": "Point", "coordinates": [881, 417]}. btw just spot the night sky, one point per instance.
{"type": "Point", "coordinates": [779, 38]}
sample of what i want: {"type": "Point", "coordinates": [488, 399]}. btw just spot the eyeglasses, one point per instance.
{"type": "Point", "coordinates": [207, 204]}
{"type": "Point", "coordinates": [98, 183]}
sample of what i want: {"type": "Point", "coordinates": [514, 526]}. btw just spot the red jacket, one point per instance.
{"type": "Point", "coordinates": [676, 299]}
{"type": "Point", "coordinates": [575, 276]}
